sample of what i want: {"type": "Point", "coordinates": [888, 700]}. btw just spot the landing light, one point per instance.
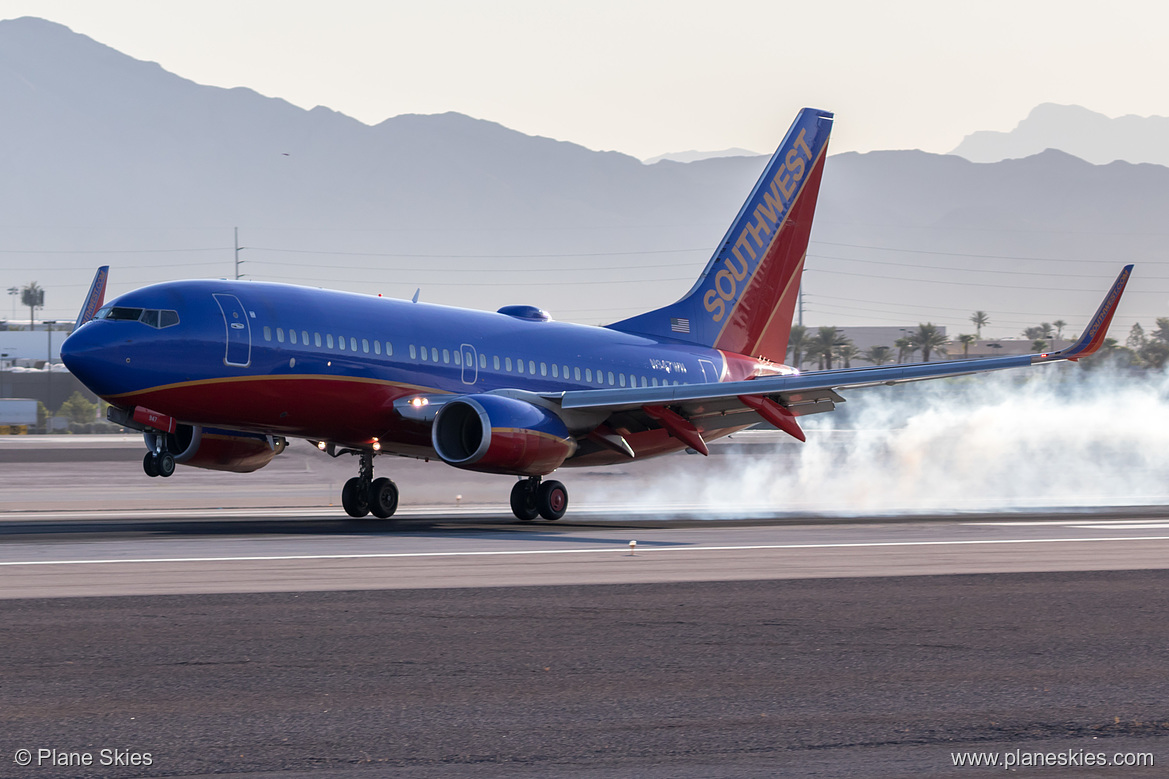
{"type": "Point", "coordinates": [321, 445]}
{"type": "Point", "coordinates": [419, 402]}
{"type": "Point", "coordinates": [377, 447]}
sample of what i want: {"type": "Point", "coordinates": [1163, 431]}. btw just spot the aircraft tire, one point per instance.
{"type": "Point", "coordinates": [353, 499]}
{"type": "Point", "coordinates": [150, 465]}
{"type": "Point", "coordinates": [166, 465]}
{"type": "Point", "coordinates": [383, 498]}
{"type": "Point", "coordinates": [552, 500]}
{"type": "Point", "coordinates": [523, 501]}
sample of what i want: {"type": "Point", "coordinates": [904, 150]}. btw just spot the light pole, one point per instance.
{"type": "Point", "coordinates": [12, 293]}
{"type": "Point", "coordinates": [3, 391]}
{"type": "Point", "coordinates": [49, 367]}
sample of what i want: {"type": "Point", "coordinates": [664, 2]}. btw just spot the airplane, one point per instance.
{"type": "Point", "coordinates": [221, 374]}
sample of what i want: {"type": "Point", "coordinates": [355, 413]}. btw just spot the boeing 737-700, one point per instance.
{"type": "Point", "coordinates": [220, 374]}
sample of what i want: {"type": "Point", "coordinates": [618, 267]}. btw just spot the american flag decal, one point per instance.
{"type": "Point", "coordinates": [679, 325]}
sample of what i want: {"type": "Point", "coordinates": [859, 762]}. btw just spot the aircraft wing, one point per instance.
{"type": "Point", "coordinates": [779, 400]}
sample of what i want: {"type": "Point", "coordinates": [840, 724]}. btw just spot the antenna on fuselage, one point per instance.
{"type": "Point", "coordinates": [417, 292]}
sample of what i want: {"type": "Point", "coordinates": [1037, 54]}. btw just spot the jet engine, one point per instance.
{"type": "Point", "coordinates": [498, 434]}
{"type": "Point", "coordinates": [218, 450]}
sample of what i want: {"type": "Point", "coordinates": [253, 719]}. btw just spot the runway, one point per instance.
{"type": "Point", "coordinates": [222, 636]}
{"type": "Point", "coordinates": [58, 554]}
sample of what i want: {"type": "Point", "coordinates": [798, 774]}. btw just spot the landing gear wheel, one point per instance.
{"type": "Point", "coordinates": [150, 465]}
{"type": "Point", "coordinates": [552, 500]}
{"type": "Point", "coordinates": [165, 465]}
{"type": "Point", "coordinates": [383, 498]}
{"type": "Point", "coordinates": [354, 499]}
{"type": "Point", "coordinates": [523, 501]}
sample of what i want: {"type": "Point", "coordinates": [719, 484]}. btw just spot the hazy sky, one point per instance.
{"type": "Point", "coordinates": [651, 77]}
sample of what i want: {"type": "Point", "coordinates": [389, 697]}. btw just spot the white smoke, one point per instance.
{"type": "Point", "coordinates": [1059, 436]}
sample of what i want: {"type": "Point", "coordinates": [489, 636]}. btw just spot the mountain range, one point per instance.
{"type": "Point", "coordinates": [113, 160]}
{"type": "Point", "coordinates": [1078, 131]}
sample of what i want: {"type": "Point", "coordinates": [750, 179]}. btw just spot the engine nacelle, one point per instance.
{"type": "Point", "coordinates": [219, 450]}
{"type": "Point", "coordinates": [497, 434]}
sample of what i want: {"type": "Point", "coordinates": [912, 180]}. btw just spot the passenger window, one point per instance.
{"type": "Point", "coordinates": [483, 362]}
{"type": "Point", "coordinates": [655, 381]}
{"type": "Point", "coordinates": [495, 362]}
{"type": "Point", "coordinates": [267, 333]}
{"type": "Point", "coordinates": [576, 373]}
{"type": "Point", "coordinates": [555, 371]}
{"type": "Point", "coordinates": [532, 367]}
{"type": "Point", "coordinates": [365, 345]}
{"type": "Point", "coordinates": [317, 340]}
{"type": "Point", "coordinates": [413, 352]}
{"type": "Point", "coordinates": [459, 357]}
{"type": "Point", "coordinates": [611, 380]}
{"type": "Point", "coordinates": [341, 342]}
{"type": "Point", "coordinates": [304, 337]}
{"type": "Point", "coordinates": [292, 336]}
{"type": "Point", "coordinates": [433, 354]}
{"type": "Point", "coordinates": [589, 375]}
{"type": "Point", "coordinates": [519, 366]}
{"type": "Point", "coordinates": [543, 369]}
{"type": "Point", "coordinates": [507, 362]}
{"type": "Point", "coordinates": [566, 371]}
{"type": "Point", "coordinates": [280, 334]}
{"type": "Point", "coordinates": [621, 377]}
{"type": "Point", "coordinates": [446, 356]}
{"type": "Point", "coordinates": [377, 347]}
{"type": "Point", "coordinates": [425, 354]}
{"type": "Point", "coordinates": [329, 340]}
{"type": "Point", "coordinates": [353, 343]}
{"type": "Point", "coordinates": [389, 349]}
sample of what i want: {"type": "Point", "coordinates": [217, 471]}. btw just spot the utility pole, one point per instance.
{"type": "Point", "coordinates": [800, 322]}
{"type": "Point", "coordinates": [237, 259]}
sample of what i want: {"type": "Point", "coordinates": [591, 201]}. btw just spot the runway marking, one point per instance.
{"type": "Point", "coordinates": [617, 547]}
{"type": "Point", "coordinates": [1092, 523]}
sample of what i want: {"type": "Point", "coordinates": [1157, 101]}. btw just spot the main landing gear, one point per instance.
{"type": "Point", "coordinates": [364, 494]}
{"type": "Point", "coordinates": [531, 498]}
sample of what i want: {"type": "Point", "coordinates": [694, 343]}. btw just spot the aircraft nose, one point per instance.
{"type": "Point", "coordinates": [90, 357]}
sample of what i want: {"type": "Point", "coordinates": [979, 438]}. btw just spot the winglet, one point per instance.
{"type": "Point", "coordinates": [1097, 330]}
{"type": "Point", "coordinates": [95, 298]}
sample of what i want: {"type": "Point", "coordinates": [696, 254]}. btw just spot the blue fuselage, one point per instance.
{"type": "Point", "coordinates": [327, 365]}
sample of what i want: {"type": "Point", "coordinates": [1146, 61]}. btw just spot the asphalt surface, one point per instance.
{"type": "Point", "coordinates": [875, 677]}
{"type": "Point", "coordinates": [230, 625]}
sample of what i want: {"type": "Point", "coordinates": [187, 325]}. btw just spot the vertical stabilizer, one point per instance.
{"type": "Point", "coordinates": [746, 296]}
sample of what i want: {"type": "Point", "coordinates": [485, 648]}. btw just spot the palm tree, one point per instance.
{"type": "Point", "coordinates": [824, 345]}
{"type": "Point", "coordinates": [1162, 331]}
{"type": "Point", "coordinates": [1039, 345]}
{"type": "Point", "coordinates": [878, 355]}
{"type": "Point", "coordinates": [929, 338]}
{"type": "Point", "coordinates": [846, 352]}
{"type": "Point", "coordinates": [966, 339]}
{"type": "Point", "coordinates": [905, 349]}
{"type": "Point", "coordinates": [33, 297]}
{"type": "Point", "coordinates": [1059, 325]}
{"type": "Point", "coordinates": [980, 320]}
{"type": "Point", "coordinates": [798, 344]}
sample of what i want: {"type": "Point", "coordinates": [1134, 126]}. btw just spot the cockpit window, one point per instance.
{"type": "Point", "coordinates": [153, 317]}
{"type": "Point", "coordinates": [125, 314]}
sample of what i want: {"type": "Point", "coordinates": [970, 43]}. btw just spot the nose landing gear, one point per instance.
{"type": "Point", "coordinates": [531, 497]}
{"type": "Point", "coordinates": [159, 464]}
{"type": "Point", "coordinates": [364, 494]}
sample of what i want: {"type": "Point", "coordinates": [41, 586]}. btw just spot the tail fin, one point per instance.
{"type": "Point", "coordinates": [1097, 330]}
{"type": "Point", "coordinates": [96, 296]}
{"type": "Point", "coordinates": [746, 296]}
